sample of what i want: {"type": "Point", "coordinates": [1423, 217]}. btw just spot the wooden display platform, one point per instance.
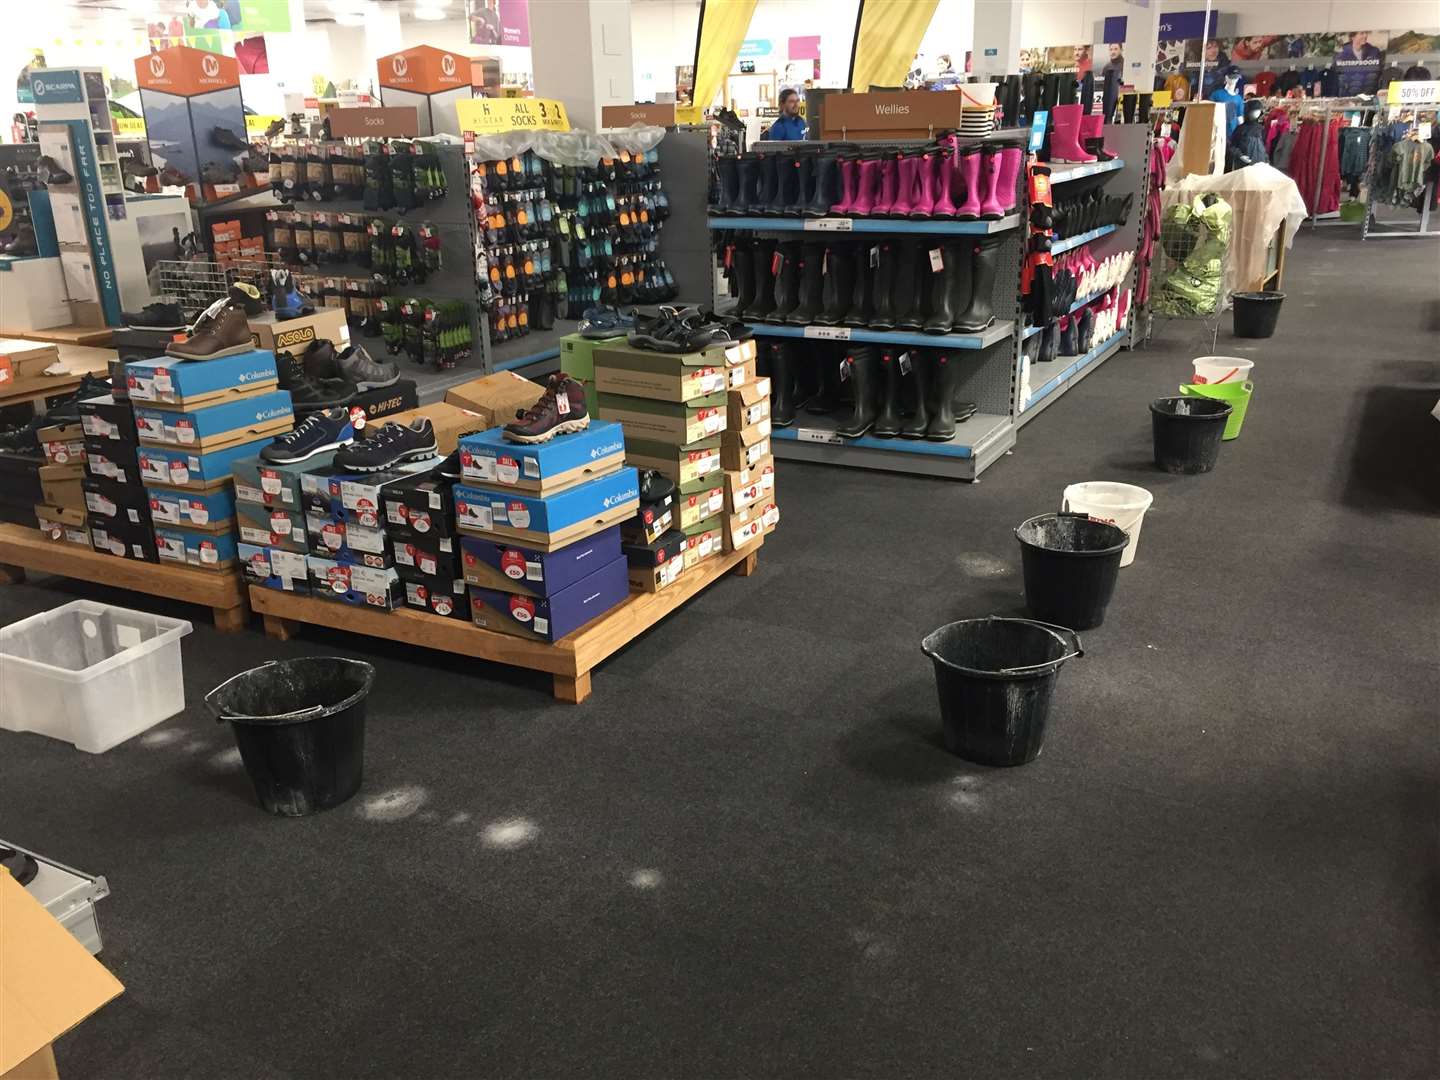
{"type": "Point", "coordinates": [82, 360]}
{"type": "Point", "coordinates": [64, 335]}
{"type": "Point", "coordinates": [569, 660]}
{"type": "Point", "coordinates": [24, 549]}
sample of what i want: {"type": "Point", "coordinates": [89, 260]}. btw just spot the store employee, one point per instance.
{"type": "Point", "coordinates": [789, 125]}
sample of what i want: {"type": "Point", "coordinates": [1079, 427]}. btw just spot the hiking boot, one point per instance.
{"type": "Point", "coordinates": [287, 300]}
{"type": "Point", "coordinates": [328, 429]}
{"type": "Point", "coordinates": [170, 176]}
{"type": "Point", "coordinates": [560, 410]}
{"type": "Point", "coordinates": [392, 445]}
{"type": "Point", "coordinates": [155, 317]}
{"type": "Point", "coordinates": [227, 140]}
{"type": "Point", "coordinates": [356, 365]}
{"type": "Point", "coordinates": [307, 391]}
{"type": "Point", "coordinates": [223, 329]}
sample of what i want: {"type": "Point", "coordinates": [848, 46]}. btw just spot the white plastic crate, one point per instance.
{"type": "Point", "coordinates": [91, 674]}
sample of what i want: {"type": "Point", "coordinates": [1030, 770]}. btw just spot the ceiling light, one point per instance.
{"type": "Point", "coordinates": [430, 12]}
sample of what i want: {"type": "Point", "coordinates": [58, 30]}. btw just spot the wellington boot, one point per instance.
{"type": "Point", "coordinates": [1012, 157]}
{"type": "Point", "coordinates": [742, 267]}
{"type": "Point", "coordinates": [838, 289]}
{"type": "Point", "coordinates": [946, 377]}
{"type": "Point", "coordinates": [782, 383]}
{"type": "Point", "coordinates": [728, 169]}
{"type": "Point", "coordinates": [1092, 136]}
{"type": "Point", "coordinates": [910, 168]}
{"type": "Point", "coordinates": [1143, 113]}
{"type": "Point", "coordinates": [912, 273]}
{"type": "Point", "coordinates": [887, 421]}
{"type": "Point", "coordinates": [812, 283]}
{"type": "Point", "coordinates": [992, 208]}
{"type": "Point", "coordinates": [891, 252]}
{"type": "Point", "coordinates": [1067, 345]}
{"type": "Point", "coordinates": [922, 204]}
{"type": "Point", "coordinates": [979, 313]}
{"type": "Point", "coordinates": [767, 185]}
{"type": "Point", "coordinates": [864, 365]}
{"type": "Point", "coordinates": [861, 306]}
{"type": "Point", "coordinates": [763, 264]}
{"type": "Point", "coordinates": [1065, 145]}
{"type": "Point", "coordinates": [889, 187]}
{"type": "Point", "coordinates": [826, 398]}
{"type": "Point", "coordinates": [1127, 107]}
{"type": "Point", "coordinates": [1049, 343]}
{"type": "Point", "coordinates": [868, 174]}
{"type": "Point", "coordinates": [848, 168]}
{"type": "Point", "coordinates": [950, 287]}
{"type": "Point", "coordinates": [920, 371]}
{"type": "Point", "coordinates": [825, 188]}
{"type": "Point", "coordinates": [942, 183]}
{"type": "Point", "coordinates": [795, 171]}
{"type": "Point", "coordinates": [969, 169]}
{"type": "Point", "coordinates": [747, 177]}
{"type": "Point", "coordinates": [787, 281]}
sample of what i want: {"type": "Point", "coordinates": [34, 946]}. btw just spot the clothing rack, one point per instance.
{"type": "Point", "coordinates": [1322, 110]}
{"type": "Point", "coordinates": [1428, 225]}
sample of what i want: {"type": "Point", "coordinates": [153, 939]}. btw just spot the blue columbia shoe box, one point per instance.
{"type": "Point", "coordinates": [166, 380]}
{"type": "Point", "coordinates": [192, 470]}
{"type": "Point", "coordinates": [549, 618]}
{"type": "Point", "coordinates": [551, 522]}
{"type": "Point", "coordinates": [206, 511]}
{"type": "Point", "coordinates": [489, 459]}
{"type": "Point", "coordinates": [216, 426]}
{"type": "Point", "coordinates": [208, 551]}
{"type": "Point", "coordinates": [517, 569]}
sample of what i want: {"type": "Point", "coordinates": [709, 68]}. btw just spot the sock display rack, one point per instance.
{"type": "Point", "coordinates": [954, 334]}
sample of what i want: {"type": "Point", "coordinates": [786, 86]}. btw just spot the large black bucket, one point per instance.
{"type": "Point", "coordinates": [996, 678]}
{"type": "Point", "coordinates": [300, 727]}
{"type": "Point", "coordinates": [1071, 564]}
{"type": "Point", "coordinates": [1187, 433]}
{"type": "Point", "coordinates": [1255, 313]}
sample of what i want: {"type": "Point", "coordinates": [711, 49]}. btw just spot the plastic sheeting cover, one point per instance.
{"type": "Point", "coordinates": [577, 148]}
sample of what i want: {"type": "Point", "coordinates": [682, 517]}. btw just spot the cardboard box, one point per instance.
{"type": "Point", "coordinates": [214, 427]}
{"type": "Point", "coordinates": [273, 568]}
{"type": "Point", "coordinates": [372, 405]}
{"type": "Point", "coordinates": [336, 539]}
{"type": "Point", "coordinates": [655, 565]}
{"type": "Point", "coordinates": [449, 422]}
{"type": "Point", "coordinates": [170, 467]}
{"type": "Point", "coordinates": [279, 527]}
{"type": "Point", "coordinates": [23, 361]}
{"type": "Point", "coordinates": [704, 540]}
{"type": "Point", "coordinates": [746, 374]}
{"type": "Point", "coordinates": [746, 486]}
{"type": "Point", "coordinates": [206, 551]}
{"type": "Point", "coordinates": [62, 444]}
{"type": "Point", "coordinates": [436, 556]}
{"type": "Point", "coordinates": [348, 583]}
{"type": "Point", "coordinates": [512, 568]}
{"type": "Point", "coordinates": [745, 448]}
{"type": "Point", "coordinates": [200, 511]}
{"type": "Point", "coordinates": [297, 335]}
{"type": "Point", "coordinates": [60, 486]}
{"type": "Point", "coordinates": [192, 384]}
{"type": "Point", "coordinates": [549, 618]}
{"type": "Point", "coordinates": [722, 356]}
{"type": "Point", "coordinates": [108, 419]}
{"type": "Point", "coordinates": [122, 538]}
{"type": "Point", "coordinates": [677, 423]}
{"type": "Point", "coordinates": [656, 375]}
{"type": "Point", "coordinates": [63, 524]}
{"type": "Point", "coordinates": [424, 504]}
{"type": "Point", "coordinates": [224, 232]}
{"type": "Point", "coordinates": [49, 982]}
{"type": "Point", "coordinates": [651, 579]}
{"type": "Point", "coordinates": [495, 397]}
{"type": "Point", "coordinates": [694, 508]}
{"type": "Point", "coordinates": [651, 521]}
{"type": "Point", "coordinates": [577, 356]}
{"type": "Point", "coordinates": [258, 481]}
{"type": "Point", "coordinates": [491, 460]}
{"type": "Point", "coordinates": [112, 460]}
{"type": "Point", "coordinates": [691, 467]}
{"type": "Point", "coordinates": [111, 501]}
{"type": "Point", "coordinates": [746, 528]}
{"type": "Point", "coordinates": [333, 489]}
{"type": "Point", "coordinates": [748, 405]}
{"type": "Point", "coordinates": [551, 522]}
{"type": "Point", "coordinates": [444, 596]}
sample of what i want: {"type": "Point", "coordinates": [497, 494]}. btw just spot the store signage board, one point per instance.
{"type": "Point", "coordinates": [1413, 93]}
{"type": "Point", "coordinates": [56, 87]}
{"type": "Point", "coordinates": [902, 114]}
{"type": "Point", "coordinates": [489, 116]}
{"type": "Point", "coordinates": [622, 116]}
{"type": "Point", "coordinates": [1037, 130]}
{"type": "Point", "coordinates": [399, 122]}
{"type": "Point", "coordinates": [1184, 25]}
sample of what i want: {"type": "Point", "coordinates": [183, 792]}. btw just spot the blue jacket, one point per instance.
{"type": "Point", "coordinates": [789, 128]}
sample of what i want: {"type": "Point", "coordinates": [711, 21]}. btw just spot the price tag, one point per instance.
{"type": "Point", "coordinates": [904, 363]}
{"type": "Point", "coordinates": [828, 333]}
{"type": "Point", "coordinates": [829, 225]}
{"type": "Point", "coordinates": [937, 261]}
{"type": "Point", "coordinates": [818, 435]}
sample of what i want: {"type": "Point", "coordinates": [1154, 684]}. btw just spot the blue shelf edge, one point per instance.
{"type": "Point", "coordinates": [869, 225]}
{"type": "Point", "coordinates": [1083, 238]}
{"type": "Point", "coordinates": [526, 361]}
{"type": "Point", "coordinates": [1050, 385]}
{"type": "Point", "coordinates": [881, 337]}
{"type": "Point", "coordinates": [894, 446]}
{"type": "Point", "coordinates": [1078, 172]}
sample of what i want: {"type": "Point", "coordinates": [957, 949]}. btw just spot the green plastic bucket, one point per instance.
{"type": "Point", "coordinates": [1236, 395]}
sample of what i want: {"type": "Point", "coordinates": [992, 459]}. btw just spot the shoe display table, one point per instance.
{"type": "Point", "coordinates": [569, 660]}
{"type": "Point", "coordinates": [65, 335]}
{"type": "Point", "coordinates": [23, 549]}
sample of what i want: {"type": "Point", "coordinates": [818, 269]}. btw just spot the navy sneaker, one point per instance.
{"type": "Point", "coordinates": [288, 301]}
{"type": "Point", "coordinates": [390, 446]}
{"type": "Point", "coordinates": [329, 429]}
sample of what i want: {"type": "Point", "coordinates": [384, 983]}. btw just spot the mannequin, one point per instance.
{"type": "Point", "coordinates": [1229, 95]}
{"type": "Point", "coordinates": [1247, 144]}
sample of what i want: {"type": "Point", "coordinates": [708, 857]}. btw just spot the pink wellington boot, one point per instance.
{"type": "Point", "coordinates": [1092, 137]}
{"type": "Point", "coordinates": [923, 205]}
{"type": "Point", "coordinates": [1011, 159]}
{"type": "Point", "coordinates": [889, 187]}
{"type": "Point", "coordinates": [849, 186]}
{"type": "Point", "coordinates": [969, 170]}
{"type": "Point", "coordinates": [1065, 148]}
{"type": "Point", "coordinates": [867, 186]}
{"type": "Point", "coordinates": [990, 208]}
{"type": "Point", "coordinates": [908, 188]}
{"type": "Point", "coordinates": [942, 166]}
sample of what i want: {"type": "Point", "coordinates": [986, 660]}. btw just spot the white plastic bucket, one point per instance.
{"type": "Point", "coordinates": [1218, 369]}
{"type": "Point", "coordinates": [1123, 505]}
{"type": "Point", "coordinates": [977, 97]}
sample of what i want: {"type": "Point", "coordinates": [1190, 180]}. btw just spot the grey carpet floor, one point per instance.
{"type": "Point", "coordinates": [747, 855]}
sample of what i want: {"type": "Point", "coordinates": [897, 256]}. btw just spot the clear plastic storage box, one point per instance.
{"type": "Point", "coordinates": [91, 674]}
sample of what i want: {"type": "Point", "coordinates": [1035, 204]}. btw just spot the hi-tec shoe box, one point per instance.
{"type": "Point", "coordinates": [171, 467]}
{"type": "Point", "coordinates": [258, 481]}
{"type": "Point", "coordinates": [552, 522]}
{"type": "Point", "coordinates": [745, 448]}
{"type": "Point", "coordinates": [661, 376]}
{"type": "Point", "coordinates": [489, 459]}
{"type": "Point", "coordinates": [337, 539]}
{"type": "Point", "coordinates": [748, 405]}
{"type": "Point", "coordinates": [216, 426]}
{"type": "Point", "coordinates": [111, 501]}
{"type": "Point", "coordinates": [654, 566]}
{"type": "Point", "coordinates": [63, 525]}
{"type": "Point", "coordinates": [108, 419]}
{"type": "Point", "coordinates": [206, 551]}
{"type": "Point", "coordinates": [650, 522]}
{"type": "Point", "coordinates": [272, 568]}
{"type": "Point", "coordinates": [203, 511]}
{"type": "Point", "coordinates": [112, 460]}
{"type": "Point", "coordinates": [279, 527]}
{"type": "Point", "coordinates": [749, 525]}
{"type": "Point", "coordinates": [445, 596]}
{"type": "Point", "coordinates": [349, 583]}
{"type": "Point", "coordinates": [549, 618]}
{"type": "Point", "coordinates": [704, 540]}
{"type": "Point", "coordinates": [511, 568]}
{"type": "Point", "coordinates": [122, 538]}
{"type": "Point", "coordinates": [297, 336]}
{"type": "Point", "coordinates": [689, 466]}
{"type": "Point", "coordinates": [195, 383]}
{"type": "Point", "coordinates": [746, 486]}
{"type": "Point", "coordinates": [693, 509]}
{"type": "Point", "coordinates": [677, 423]}
{"type": "Point", "coordinates": [424, 505]}
{"type": "Point", "coordinates": [426, 553]}
{"type": "Point", "coordinates": [62, 444]}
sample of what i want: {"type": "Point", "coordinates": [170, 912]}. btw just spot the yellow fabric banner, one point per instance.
{"type": "Point", "coordinates": [722, 27]}
{"type": "Point", "coordinates": [890, 32]}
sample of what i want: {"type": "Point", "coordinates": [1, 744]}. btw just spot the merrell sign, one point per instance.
{"type": "Point", "coordinates": [894, 114]}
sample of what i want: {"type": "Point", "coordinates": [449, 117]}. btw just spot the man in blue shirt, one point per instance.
{"type": "Point", "coordinates": [789, 126]}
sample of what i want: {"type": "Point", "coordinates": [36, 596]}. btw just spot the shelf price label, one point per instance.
{"type": "Point", "coordinates": [828, 225]}
{"type": "Point", "coordinates": [828, 333]}
{"type": "Point", "coordinates": [818, 435]}
{"type": "Point", "coordinates": [488, 116]}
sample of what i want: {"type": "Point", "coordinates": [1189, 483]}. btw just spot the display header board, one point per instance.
{"type": "Point", "coordinates": [402, 121]}
{"type": "Point", "coordinates": [57, 86]}
{"type": "Point", "coordinates": [186, 72]}
{"type": "Point", "coordinates": [621, 116]}
{"type": "Point", "coordinates": [423, 70]}
{"type": "Point", "coordinates": [490, 116]}
{"type": "Point", "coordinates": [1413, 93]}
{"type": "Point", "coordinates": [907, 114]}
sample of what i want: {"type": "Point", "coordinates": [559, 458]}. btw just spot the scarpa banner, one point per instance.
{"type": "Point", "coordinates": [56, 86]}
{"type": "Point", "coordinates": [92, 199]}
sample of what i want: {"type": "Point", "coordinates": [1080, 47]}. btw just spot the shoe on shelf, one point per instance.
{"type": "Point", "coordinates": [356, 365]}
{"type": "Point", "coordinates": [606, 322]}
{"type": "Point", "coordinates": [393, 444]}
{"type": "Point", "coordinates": [170, 176]}
{"type": "Point", "coordinates": [287, 300]}
{"type": "Point", "coordinates": [50, 172]}
{"type": "Point", "coordinates": [226, 139]}
{"type": "Point", "coordinates": [450, 468]}
{"type": "Point", "coordinates": [307, 391]}
{"type": "Point", "coordinates": [328, 429]}
{"type": "Point", "coordinates": [223, 329]}
{"type": "Point", "coordinates": [160, 316]}
{"type": "Point", "coordinates": [655, 486]}
{"type": "Point", "coordinates": [560, 411]}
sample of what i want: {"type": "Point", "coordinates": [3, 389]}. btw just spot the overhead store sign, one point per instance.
{"type": "Point", "coordinates": [752, 47]}
{"type": "Point", "coordinates": [1183, 25]}
{"type": "Point", "coordinates": [490, 116]}
{"type": "Point", "coordinates": [56, 87]}
{"type": "Point", "coordinates": [889, 114]}
{"type": "Point", "coordinates": [1413, 93]}
{"type": "Point", "coordinates": [402, 121]}
{"type": "Point", "coordinates": [620, 116]}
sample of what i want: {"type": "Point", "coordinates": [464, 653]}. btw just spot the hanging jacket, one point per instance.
{"type": "Point", "coordinates": [1247, 146]}
{"type": "Point", "coordinates": [1284, 150]}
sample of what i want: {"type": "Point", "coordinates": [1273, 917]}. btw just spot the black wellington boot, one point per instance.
{"type": "Point", "coordinates": [812, 285]}
{"type": "Point", "coordinates": [767, 186]}
{"type": "Point", "coordinates": [728, 172]}
{"type": "Point", "coordinates": [920, 369]}
{"type": "Point", "coordinates": [862, 298]}
{"type": "Point", "coordinates": [742, 274]}
{"type": "Point", "coordinates": [825, 186]}
{"type": "Point", "coordinates": [945, 378]}
{"type": "Point", "coordinates": [951, 287]}
{"type": "Point", "coordinates": [1127, 107]}
{"type": "Point", "coordinates": [887, 422]}
{"type": "Point", "coordinates": [763, 262]}
{"type": "Point", "coordinates": [838, 291]}
{"type": "Point", "coordinates": [794, 177]}
{"type": "Point", "coordinates": [1049, 342]}
{"type": "Point", "coordinates": [1109, 95]}
{"type": "Point", "coordinates": [978, 315]}
{"type": "Point", "coordinates": [911, 275]}
{"type": "Point", "coordinates": [782, 383]}
{"type": "Point", "coordinates": [747, 176]}
{"type": "Point", "coordinates": [787, 281]}
{"type": "Point", "coordinates": [892, 253]}
{"type": "Point", "coordinates": [827, 398]}
{"type": "Point", "coordinates": [1144, 114]}
{"type": "Point", "coordinates": [865, 383]}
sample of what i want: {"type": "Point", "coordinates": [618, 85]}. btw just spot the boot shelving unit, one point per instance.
{"type": "Point", "coordinates": [866, 225]}
{"type": "Point", "coordinates": [1084, 238]}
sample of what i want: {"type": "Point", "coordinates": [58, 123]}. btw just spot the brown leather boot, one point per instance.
{"type": "Point", "coordinates": [560, 410]}
{"type": "Point", "coordinates": [222, 330]}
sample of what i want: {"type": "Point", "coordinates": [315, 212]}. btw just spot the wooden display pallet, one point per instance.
{"type": "Point", "coordinates": [23, 549]}
{"type": "Point", "coordinates": [64, 335]}
{"type": "Point", "coordinates": [569, 660]}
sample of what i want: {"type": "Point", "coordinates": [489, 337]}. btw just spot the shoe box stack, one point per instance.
{"type": "Point", "coordinates": [61, 513]}
{"type": "Point", "coordinates": [540, 524]}
{"type": "Point", "coordinates": [231, 246]}
{"type": "Point", "coordinates": [676, 411]}
{"type": "Point", "coordinates": [193, 420]}
{"type": "Point", "coordinates": [751, 511]}
{"type": "Point", "coordinates": [425, 544]}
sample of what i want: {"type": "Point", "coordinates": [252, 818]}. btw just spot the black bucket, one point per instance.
{"type": "Point", "coordinates": [300, 727]}
{"type": "Point", "coordinates": [1071, 564]}
{"type": "Point", "coordinates": [1187, 433]}
{"type": "Point", "coordinates": [996, 678]}
{"type": "Point", "coordinates": [1256, 313]}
